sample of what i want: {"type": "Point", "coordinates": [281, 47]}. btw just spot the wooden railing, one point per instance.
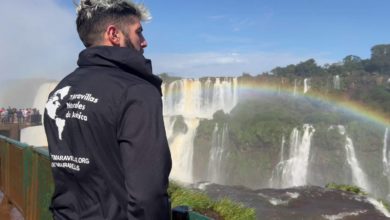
{"type": "Point", "coordinates": [25, 178]}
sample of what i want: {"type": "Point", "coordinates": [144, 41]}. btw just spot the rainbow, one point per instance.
{"type": "Point", "coordinates": [352, 107]}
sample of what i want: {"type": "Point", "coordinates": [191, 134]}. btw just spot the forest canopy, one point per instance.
{"type": "Point", "coordinates": [379, 63]}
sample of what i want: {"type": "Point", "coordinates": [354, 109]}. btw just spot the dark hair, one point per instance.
{"type": "Point", "coordinates": [93, 17]}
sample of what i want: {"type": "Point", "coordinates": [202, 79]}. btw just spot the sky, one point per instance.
{"type": "Point", "coordinates": [200, 38]}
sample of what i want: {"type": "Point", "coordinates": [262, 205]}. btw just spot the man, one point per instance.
{"type": "Point", "coordinates": [108, 148]}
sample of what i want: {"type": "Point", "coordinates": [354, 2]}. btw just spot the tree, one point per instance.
{"type": "Point", "coordinates": [288, 71]}
{"type": "Point", "coordinates": [380, 58]}
{"type": "Point", "coordinates": [307, 68]}
{"type": "Point", "coordinates": [352, 64]}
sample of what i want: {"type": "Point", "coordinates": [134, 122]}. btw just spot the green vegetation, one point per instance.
{"type": "Point", "coordinates": [363, 80]}
{"type": "Point", "coordinates": [201, 203]}
{"type": "Point", "coordinates": [346, 188]}
{"type": "Point", "coordinates": [230, 210]}
{"type": "Point", "coordinates": [167, 78]}
{"type": "Point", "coordinates": [355, 190]}
{"type": "Point", "coordinates": [379, 63]}
{"type": "Point", "coordinates": [385, 204]}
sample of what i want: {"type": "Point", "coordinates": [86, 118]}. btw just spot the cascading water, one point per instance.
{"type": "Point", "coordinates": [182, 149]}
{"type": "Point", "coordinates": [217, 153]}
{"type": "Point", "coordinates": [275, 181]}
{"type": "Point", "coordinates": [282, 149]}
{"type": "Point", "coordinates": [358, 176]}
{"type": "Point", "coordinates": [194, 100]}
{"type": "Point", "coordinates": [386, 155]}
{"type": "Point", "coordinates": [336, 82]}
{"type": "Point", "coordinates": [306, 85]}
{"type": "Point", "coordinates": [385, 160]}
{"type": "Point", "coordinates": [295, 88]}
{"type": "Point", "coordinates": [293, 171]}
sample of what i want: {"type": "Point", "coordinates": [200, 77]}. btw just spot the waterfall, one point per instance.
{"type": "Point", "coordinates": [169, 123]}
{"type": "Point", "coordinates": [217, 153]}
{"type": "Point", "coordinates": [275, 181]}
{"type": "Point", "coordinates": [293, 171]}
{"type": "Point", "coordinates": [195, 99]}
{"type": "Point", "coordinates": [297, 165]}
{"type": "Point", "coordinates": [295, 87]}
{"type": "Point", "coordinates": [182, 149]}
{"type": "Point", "coordinates": [385, 160]}
{"type": "Point", "coordinates": [282, 149]}
{"type": "Point", "coordinates": [385, 155]}
{"type": "Point", "coordinates": [336, 82]}
{"type": "Point", "coordinates": [183, 99]}
{"type": "Point", "coordinates": [358, 176]}
{"type": "Point", "coordinates": [306, 85]}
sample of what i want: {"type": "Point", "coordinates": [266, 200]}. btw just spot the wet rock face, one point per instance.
{"type": "Point", "coordinates": [305, 203]}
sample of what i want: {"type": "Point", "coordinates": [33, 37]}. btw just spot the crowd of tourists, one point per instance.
{"type": "Point", "coordinates": [22, 116]}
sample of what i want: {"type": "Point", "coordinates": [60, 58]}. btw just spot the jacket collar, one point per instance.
{"type": "Point", "coordinates": [123, 58]}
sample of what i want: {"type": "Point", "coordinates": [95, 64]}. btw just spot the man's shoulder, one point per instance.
{"type": "Point", "coordinates": [108, 82]}
{"type": "Point", "coordinates": [106, 75]}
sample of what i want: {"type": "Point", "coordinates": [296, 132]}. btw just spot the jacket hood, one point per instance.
{"type": "Point", "coordinates": [123, 58]}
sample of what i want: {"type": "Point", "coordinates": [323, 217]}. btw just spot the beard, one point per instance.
{"type": "Point", "coordinates": [128, 44]}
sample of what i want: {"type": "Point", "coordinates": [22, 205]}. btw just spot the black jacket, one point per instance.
{"type": "Point", "coordinates": [109, 153]}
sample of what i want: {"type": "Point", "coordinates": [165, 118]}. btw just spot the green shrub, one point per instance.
{"type": "Point", "coordinates": [346, 188]}
{"type": "Point", "coordinates": [233, 211]}
{"type": "Point", "coordinates": [200, 202]}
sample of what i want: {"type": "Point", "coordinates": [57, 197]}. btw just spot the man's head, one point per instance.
{"type": "Point", "coordinates": [111, 23]}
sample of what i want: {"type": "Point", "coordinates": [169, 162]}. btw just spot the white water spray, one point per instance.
{"type": "Point", "coordinates": [275, 181]}
{"type": "Point", "coordinates": [306, 85]}
{"type": "Point", "coordinates": [217, 153]}
{"type": "Point", "coordinates": [182, 149]}
{"type": "Point", "coordinates": [336, 82]}
{"type": "Point", "coordinates": [385, 160]}
{"type": "Point", "coordinates": [293, 171]}
{"type": "Point", "coordinates": [295, 88]}
{"type": "Point", "coordinates": [194, 100]}
{"type": "Point", "coordinates": [282, 149]}
{"type": "Point", "coordinates": [358, 176]}
{"type": "Point", "coordinates": [385, 155]}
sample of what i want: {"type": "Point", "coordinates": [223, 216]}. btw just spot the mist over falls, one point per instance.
{"type": "Point", "coordinates": [223, 131]}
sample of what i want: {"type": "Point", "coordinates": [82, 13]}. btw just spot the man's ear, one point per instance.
{"type": "Point", "coordinates": [113, 35]}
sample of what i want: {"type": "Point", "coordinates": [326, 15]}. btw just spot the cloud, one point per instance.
{"type": "Point", "coordinates": [39, 39]}
{"type": "Point", "coordinates": [224, 64]}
